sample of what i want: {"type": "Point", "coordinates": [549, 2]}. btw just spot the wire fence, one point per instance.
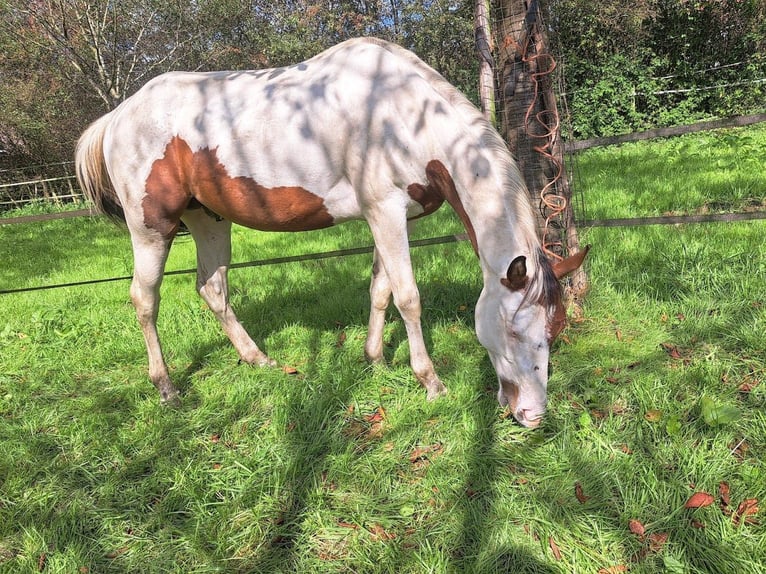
{"type": "Point", "coordinates": [49, 184]}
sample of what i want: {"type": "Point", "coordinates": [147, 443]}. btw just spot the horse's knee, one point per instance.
{"type": "Point", "coordinates": [145, 301]}
{"type": "Point", "coordinates": [408, 302]}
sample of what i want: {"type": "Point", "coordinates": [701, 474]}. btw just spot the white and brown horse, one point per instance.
{"type": "Point", "coordinates": [363, 130]}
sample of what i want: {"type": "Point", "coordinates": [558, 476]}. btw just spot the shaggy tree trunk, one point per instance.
{"type": "Point", "coordinates": [528, 120]}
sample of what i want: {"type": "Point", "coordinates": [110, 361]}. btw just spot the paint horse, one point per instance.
{"type": "Point", "coordinates": [362, 130]}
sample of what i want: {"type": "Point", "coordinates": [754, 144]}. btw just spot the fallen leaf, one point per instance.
{"type": "Point", "coordinates": [636, 527]}
{"type": "Point", "coordinates": [341, 339]}
{"type": "Point", "coordinates": [748, 385]}
{"type": "Point", "coordinates": [657, 540]}
{"type": "Point", "coordinates": [618, 334]}
{"type": "Point", "coordinates": [289, 370]}
{"type": "Point", "coordinates": [745, 510]}
{"type": "Point", "coordinates": [214, 438]}
{"type": "Point", "coordinates": [579, 493]}
{"type": "Point", "coordinates": [697, 524]}
{"type": "Point", "coordinates": [42, 560]}
{"type": "Point", "coordinates": [613, 569]}
{"type": "Point", "coordinates": [723, 493]}
{"type": "Point", "coordinates": [699, 500]}
{"type": "Point", "coordinates": [625, 449]}
{"type": "Point", "coordinates": [671, 350]}
{"type": "Point", "coordinates": [115, 553]}
{"type": "Point", "coordinates": [348, 525]}
{"type": "Point", "coordinates": [653, 415]}
{"type": "Point", "coordinates": [377, 416]}
{"type": "Point", "coordinates": [739, 450]}
{"type": "Point", "coordinates": [554, 548]}
{"type": "Point", "coordinates": [379, 533]}
{"type": "Point", "coordinates": [421, 452]}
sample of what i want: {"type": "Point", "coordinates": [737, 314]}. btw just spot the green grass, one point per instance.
{"type": "Point", "coordinates": [345, 467]}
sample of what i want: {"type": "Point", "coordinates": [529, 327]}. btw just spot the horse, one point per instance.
{"type": "Point", "coordinates": [365, 130]}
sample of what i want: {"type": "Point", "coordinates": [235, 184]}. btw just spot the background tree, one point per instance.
{"type": "Point", "coordinates": [627, 64]}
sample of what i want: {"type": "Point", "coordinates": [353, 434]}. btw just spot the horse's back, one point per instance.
{"type": "Point", "coordinates": [349, 126]}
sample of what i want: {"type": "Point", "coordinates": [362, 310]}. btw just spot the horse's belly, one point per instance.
{"type": "Point", "coordinates": [283, 208]}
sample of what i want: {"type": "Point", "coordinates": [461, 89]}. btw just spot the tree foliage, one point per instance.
{"type": "Point", "coordinates": [626, 63]}
{"type": "Point", "coordinates": [65, 62]}
{"type": "Point", "coordinates": [633, 64]}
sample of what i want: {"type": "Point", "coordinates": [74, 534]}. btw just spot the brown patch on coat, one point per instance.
{"type": "Point", "coordinates": [182, 177]}
{"type": "Point", "coordinates": [441, 186]}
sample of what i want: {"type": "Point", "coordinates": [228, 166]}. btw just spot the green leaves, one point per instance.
{"type": "Point", "coordinates": [715, 414]}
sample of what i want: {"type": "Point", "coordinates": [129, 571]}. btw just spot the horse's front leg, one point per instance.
{"type": "Point", "coordinates": [396, 276]}
{"type": "Point", "coordinates": [150, 254]}
{"type": "Point", "coordinates": [213, 240]}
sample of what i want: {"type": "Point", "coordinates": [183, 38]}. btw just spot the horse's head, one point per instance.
{"type": "Point", "coordinates": [517, 319]}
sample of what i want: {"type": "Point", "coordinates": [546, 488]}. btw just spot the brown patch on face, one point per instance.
{"type": "Point", "coordinates": [510, 393]}
{"type": "Point", "coordinates": [556, 322]}
{"type": "Point", "coordinates": [441, 186]}
{"type": "Point", "coordinates": [182, 176]}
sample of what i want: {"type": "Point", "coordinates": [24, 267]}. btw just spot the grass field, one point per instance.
{"type": "Point", "coordinates": [333, 465]}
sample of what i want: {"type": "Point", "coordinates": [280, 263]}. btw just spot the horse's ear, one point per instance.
{"type": "Point", "coordinates": [563, 268]}
{"type": "Point", "coordinates": [516, 276]}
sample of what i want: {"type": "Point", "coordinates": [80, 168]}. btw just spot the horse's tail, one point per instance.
{"type": "Point", "coordinates": [92, 172]}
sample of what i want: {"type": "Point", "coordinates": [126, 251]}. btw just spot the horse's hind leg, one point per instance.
{"type": "Point", "coordinates": [213, 240]}
{"type": "Point", "coordinates": [150, 253]}
{"type": "Point", "coordinates": [380, 296]}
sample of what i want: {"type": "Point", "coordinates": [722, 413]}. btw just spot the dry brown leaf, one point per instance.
{"type": "Point", "coordinates": [377, 416]}
{"type": "Point", "coordinates": [613, 569]}
{"type": "Point", "coordinates": [739, 450]}
{"type": "Point", "coordinates": [723, 493]}
{"type": "Point", "coordinates": [671, 350]}
{"type": "Point", "coordinates": [636, 527]}
{"type": "Point", "coordinates": [657, 540]}
{"type": "Point", "coordinates": [348, 525]}
{"type": "Point", "coordinates": [579, 493]}
{"type": "Point", "coordinates": [699, 500]}
{"type": "Point", "coordinates": [745, 510]}
{"type": "Point", "coordinates": [379, 533]}
{"type": "Point", "coordinates": [554, 548]}
{"type": "Point", "coordinates": [422, 452]}
{"type": "Point", "coordinates": [697, 524]}
{"type": "Point", "coordinates": [288, 370]}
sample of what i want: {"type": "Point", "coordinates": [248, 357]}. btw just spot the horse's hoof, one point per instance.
{"type": "Point", "coordinates": [436, 391]}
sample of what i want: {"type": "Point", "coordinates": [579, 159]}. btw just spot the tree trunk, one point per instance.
{"type": "Point", "coordinates": [483, 37]}
{"type": "Point", "coordinates": [529, 122]}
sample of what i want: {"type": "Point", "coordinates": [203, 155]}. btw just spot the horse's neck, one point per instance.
{"type": "Point", "coordinates": [502, 218]}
